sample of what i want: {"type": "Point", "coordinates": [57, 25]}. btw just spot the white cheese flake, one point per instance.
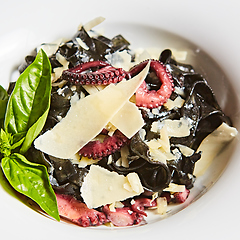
{"type": "Point", "coordinates": [82, 44]}
{"type": "Point", "coordinates": [178, 128]}
{"type": "Point", "coordinates": [160, 149]}
{"type": "Point", "coordinates": [158, 155]}
{"type": "Point", "coordinates": [134, 182]}
{"type": "Point", "coordinates": [50, 48]}
{"type": "Point", "coordinates": [165, 143]}
{"type": "Point", "coordinates": [212, 145]}
{"type": "Point", "coordinates": [112, 207]}
{"type": "Point", "coordinates": [155, 111]}
{"type": "Point", "coordinates": [179, 91]}
{"type": "Point", "coordinates": [128, 119]}
{"type": "Point", "coordinates": [94, 22]}
{"type": "Point", "coordinates": [109, 159]}
{"type": "Point", "coordinates": [142, 133]}
{"type": "Point", "coordinates": [59, 118]}
{"type": "Point", "coordinates": [74, 99]}
{"type": "Point", "coordinates": [161, 205]}
{"type": "Point", "coordinates": [176, 103]}
{"type": "Point", "coordinates": [58, 70]}
{"type": "Point", "coordinates": [173, 187]}
{"type": "Point", "coordinates": [115, 205]}
{"type": "Point", "coordinates": [154, 143]}
{"type": "Point", "coordinates": [185, 150]}
{"type": "Point", "coordinates": [101, 187]}
{"type": "Point", "coordinates": [110, 128]}
{"type": "Point", "coordinates": [155, 127]}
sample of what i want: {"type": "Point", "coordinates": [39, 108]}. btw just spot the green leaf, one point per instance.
{"type": "Point", "coordinates": [3, 104]}
{"type": "Point", "coordinates": [33, 132]}
{"type": "Point", "coordinates": [5, 143]}
{"type": "Point", "coordinates": [29, 102]}
{"type": "Point", "coordinates": [17, 144]}
{"type": "Point", "coordinates": [32, 180]}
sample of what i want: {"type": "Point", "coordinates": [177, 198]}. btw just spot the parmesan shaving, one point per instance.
{"type": "Point", "coordinates": [91, 24]}
{"type": "Point", "coordinates": [101, 187]}
{"type": "Point", "coordinates": [162, 205]}
{"type": "Point", "coordinates": [58, 71]}
{"type": "Point", "coordinates": [82, 44]}
{"type": "Point", "coordinates": [178, 128]}
{"type": "Point", "coordinates": [173, 187]}
{"type": "Point", "coordinates": [186, 151]}
{"type": "Point", "coordinates": [177, 103]}
{"type": "Point", "coordinates": [50, 48]}
{"type": "Point", "coordinates": [131, 115]}
{"type": "Point", "coordinates": [212, 145]}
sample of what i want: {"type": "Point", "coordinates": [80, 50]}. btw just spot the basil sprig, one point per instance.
{"type": "Point", "coordinates": [26, 113]}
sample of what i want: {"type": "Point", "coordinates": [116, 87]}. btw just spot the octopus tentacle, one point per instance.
{"type": "Point", "coordinates": [181, 197]}
{"type": "Point", "coordinates": [152, 98]}
{"type": "Point", "coordinates": [141, 203]}
{"type": "Point", "coordinates": [122, 217]}
{"type": "Point", "coordinates": [97, 149]}
{"type": "Point", "coordinates": [77, 212]}
{"type": "Point", "coordinates": [105, 74]}
{"type": "Point", "coordinates": [177, 197]}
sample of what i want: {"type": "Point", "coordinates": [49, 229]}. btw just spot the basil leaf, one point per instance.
{"type": "Point", "coordinates": [17, 144]}
{"type": "Point", "coordinates": [33, 132]}
{"type": "Point", "coordinates": [7, 187]}
{"type": "Point", "coordinates": [3, 104]}
{"type": "Point", "coordinates": [29, 102]}
{"type": "Point", "coordinates": [32, 180]}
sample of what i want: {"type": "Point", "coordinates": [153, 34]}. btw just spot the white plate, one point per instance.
{"type": "Point", "coordinates": [212, 27]}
